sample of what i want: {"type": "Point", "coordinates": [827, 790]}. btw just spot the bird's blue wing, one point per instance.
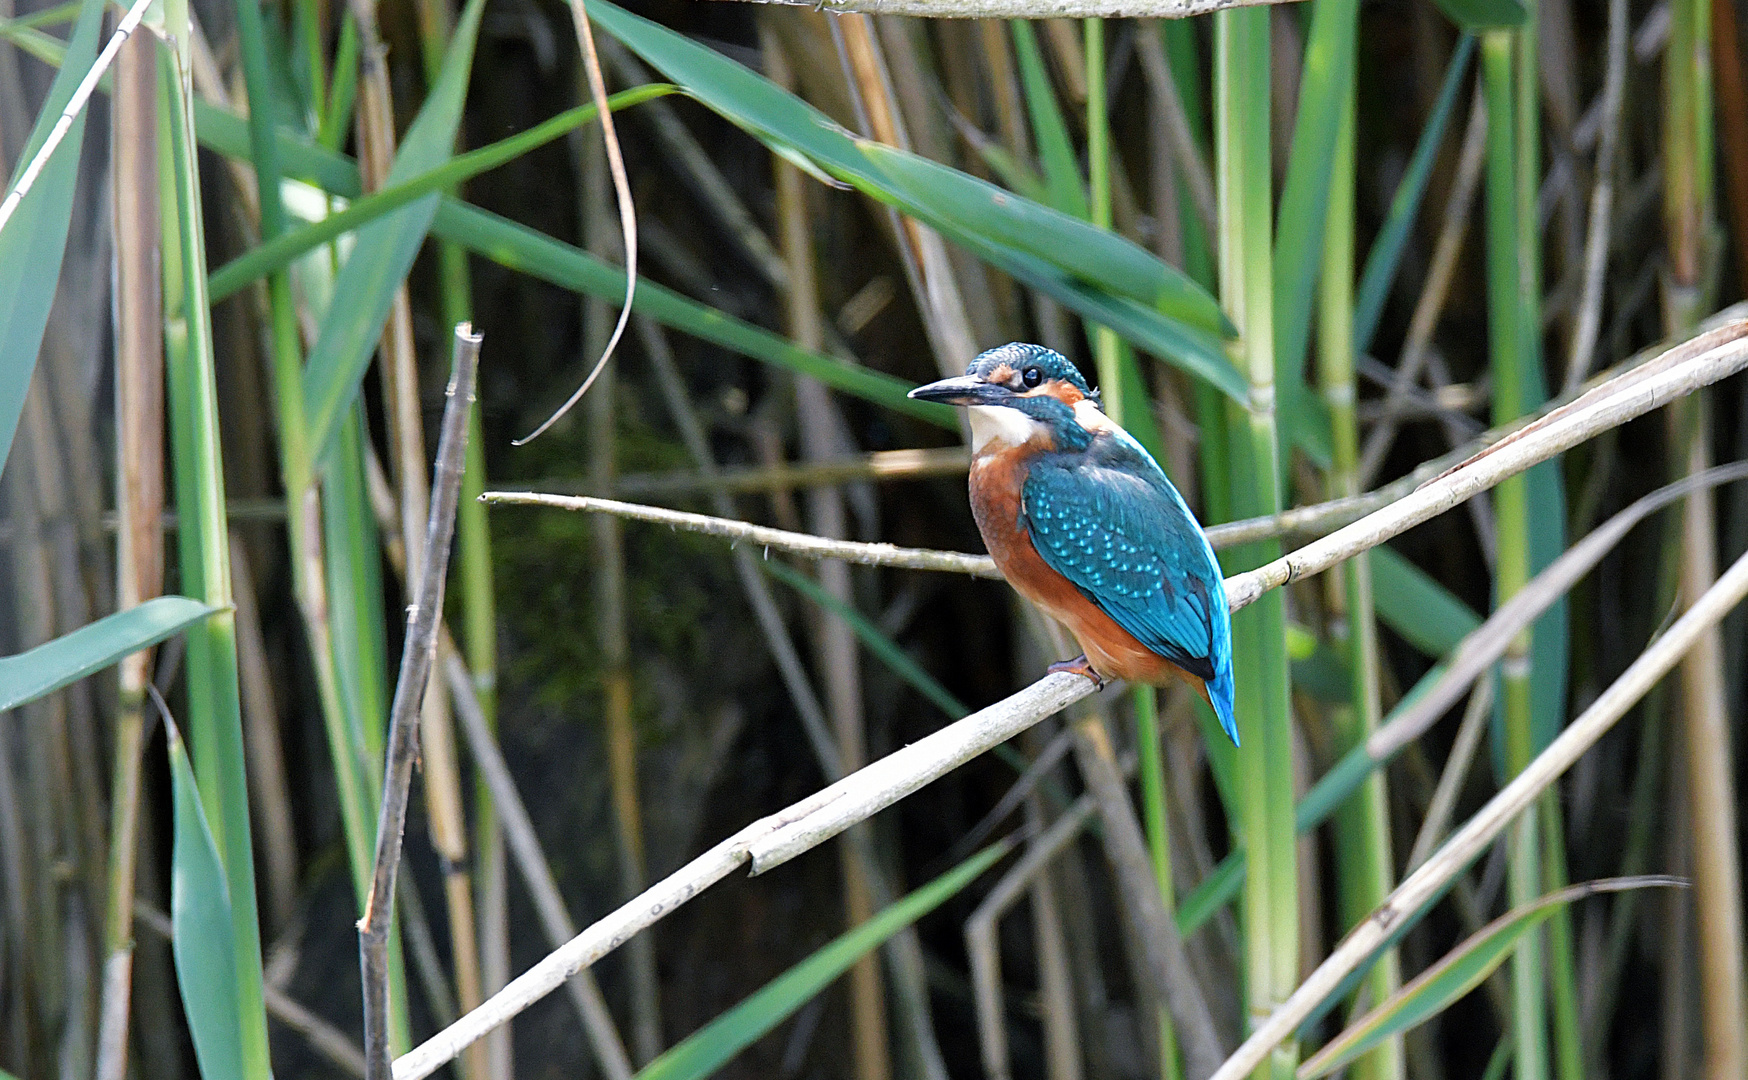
{"type": "Point", "coordinates": [1114, 527]}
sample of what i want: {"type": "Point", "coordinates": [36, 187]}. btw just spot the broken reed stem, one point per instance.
{"type": "Point", "coordinates": [773, 840]}
{"type": "Point", "coordinates": [423, 618]}
{"type": "Point", "coordinates": [1422, 886]}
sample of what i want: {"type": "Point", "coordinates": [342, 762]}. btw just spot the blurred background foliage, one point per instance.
{"type": "Point", "coordinates": [1421, 220]}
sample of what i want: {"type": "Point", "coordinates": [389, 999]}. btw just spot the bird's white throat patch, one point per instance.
{"type": "Point", "coordinates": [1000, 423]}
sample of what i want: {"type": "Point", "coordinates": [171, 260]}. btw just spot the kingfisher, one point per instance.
{"type": "Point", "coordinates": [1084, 523]}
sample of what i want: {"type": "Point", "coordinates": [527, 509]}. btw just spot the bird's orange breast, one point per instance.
{"type": "Point", "coordinates": [996, 481]}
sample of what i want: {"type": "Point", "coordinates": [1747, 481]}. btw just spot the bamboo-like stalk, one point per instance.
{"type": "Point", "coordinates": [1364, 857]}
{"type": "Point", "coordinates": [139, 411]}
{"type": "Point", "coordinates": [424, 615]}
{"type": "Point", "coordinates": [214, 709]}
{"type": "Point", "coordinates": [1511, 349]}
{"type": "Point", "coordinates": [1688, 169]}
{"type": "Point", "coordinates": [1242, 79]}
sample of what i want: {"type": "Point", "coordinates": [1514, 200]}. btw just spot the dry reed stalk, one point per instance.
{"type": "Point", "coordinates": [139, 412]}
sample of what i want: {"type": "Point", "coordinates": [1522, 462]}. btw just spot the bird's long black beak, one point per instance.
{"type": "Point", "coordinates": [963, 390]}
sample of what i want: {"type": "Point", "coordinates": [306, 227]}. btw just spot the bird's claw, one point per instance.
{"type": "Point", "coordinates": [1080, 665]}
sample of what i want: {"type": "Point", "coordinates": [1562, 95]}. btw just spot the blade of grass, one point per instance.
{"type": "Point", "coordinates": [521, 248]}
{"type": "Point", "coordinates": [1328, 65]}
{"type": "Point", "coordinates": [1064, 189]}
{"type": "Point", "coordinates": [713, 1046]}
{"type": "Point", "coordinates": [89, 649]}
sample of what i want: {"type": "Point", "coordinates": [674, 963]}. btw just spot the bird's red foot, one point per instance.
{"type": "Point", "coordinates": [1078, 666]}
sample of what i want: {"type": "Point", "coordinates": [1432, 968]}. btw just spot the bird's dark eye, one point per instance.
{"type": "Point", "coordinates": [1031, 377]}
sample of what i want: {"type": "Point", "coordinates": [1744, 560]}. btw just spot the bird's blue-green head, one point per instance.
{"type": "Point", "coordinates": [1019, 394]}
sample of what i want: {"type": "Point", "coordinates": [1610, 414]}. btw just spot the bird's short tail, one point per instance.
{"type": "Point", "coordinates": [1219, 690]}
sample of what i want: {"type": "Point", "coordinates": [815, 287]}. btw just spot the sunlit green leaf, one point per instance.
{"type": "Point", "coordinates": [70, 657]}
{"type": "Point", "coordinates": [1088, 253]}
{"type": "Point", "coordinates": [714, 1045]}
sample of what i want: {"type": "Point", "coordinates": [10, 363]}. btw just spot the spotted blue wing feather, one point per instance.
{"type": "Point", "coordinates": [1110, 522]}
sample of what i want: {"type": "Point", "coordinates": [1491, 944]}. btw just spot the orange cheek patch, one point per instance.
{"type": "Point", "coordinates": [1001, 376]}
{"type": "Point", "coordinates": [1065, 392]}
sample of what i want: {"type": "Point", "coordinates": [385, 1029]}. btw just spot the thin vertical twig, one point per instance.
{"type": "Point", "coordinates": [416, 660]}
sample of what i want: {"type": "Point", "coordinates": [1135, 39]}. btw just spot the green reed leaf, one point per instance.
{"type": "Point", "coordinates": [200, 925]}
{"type": "Point", "coordinates": [89, 649]}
